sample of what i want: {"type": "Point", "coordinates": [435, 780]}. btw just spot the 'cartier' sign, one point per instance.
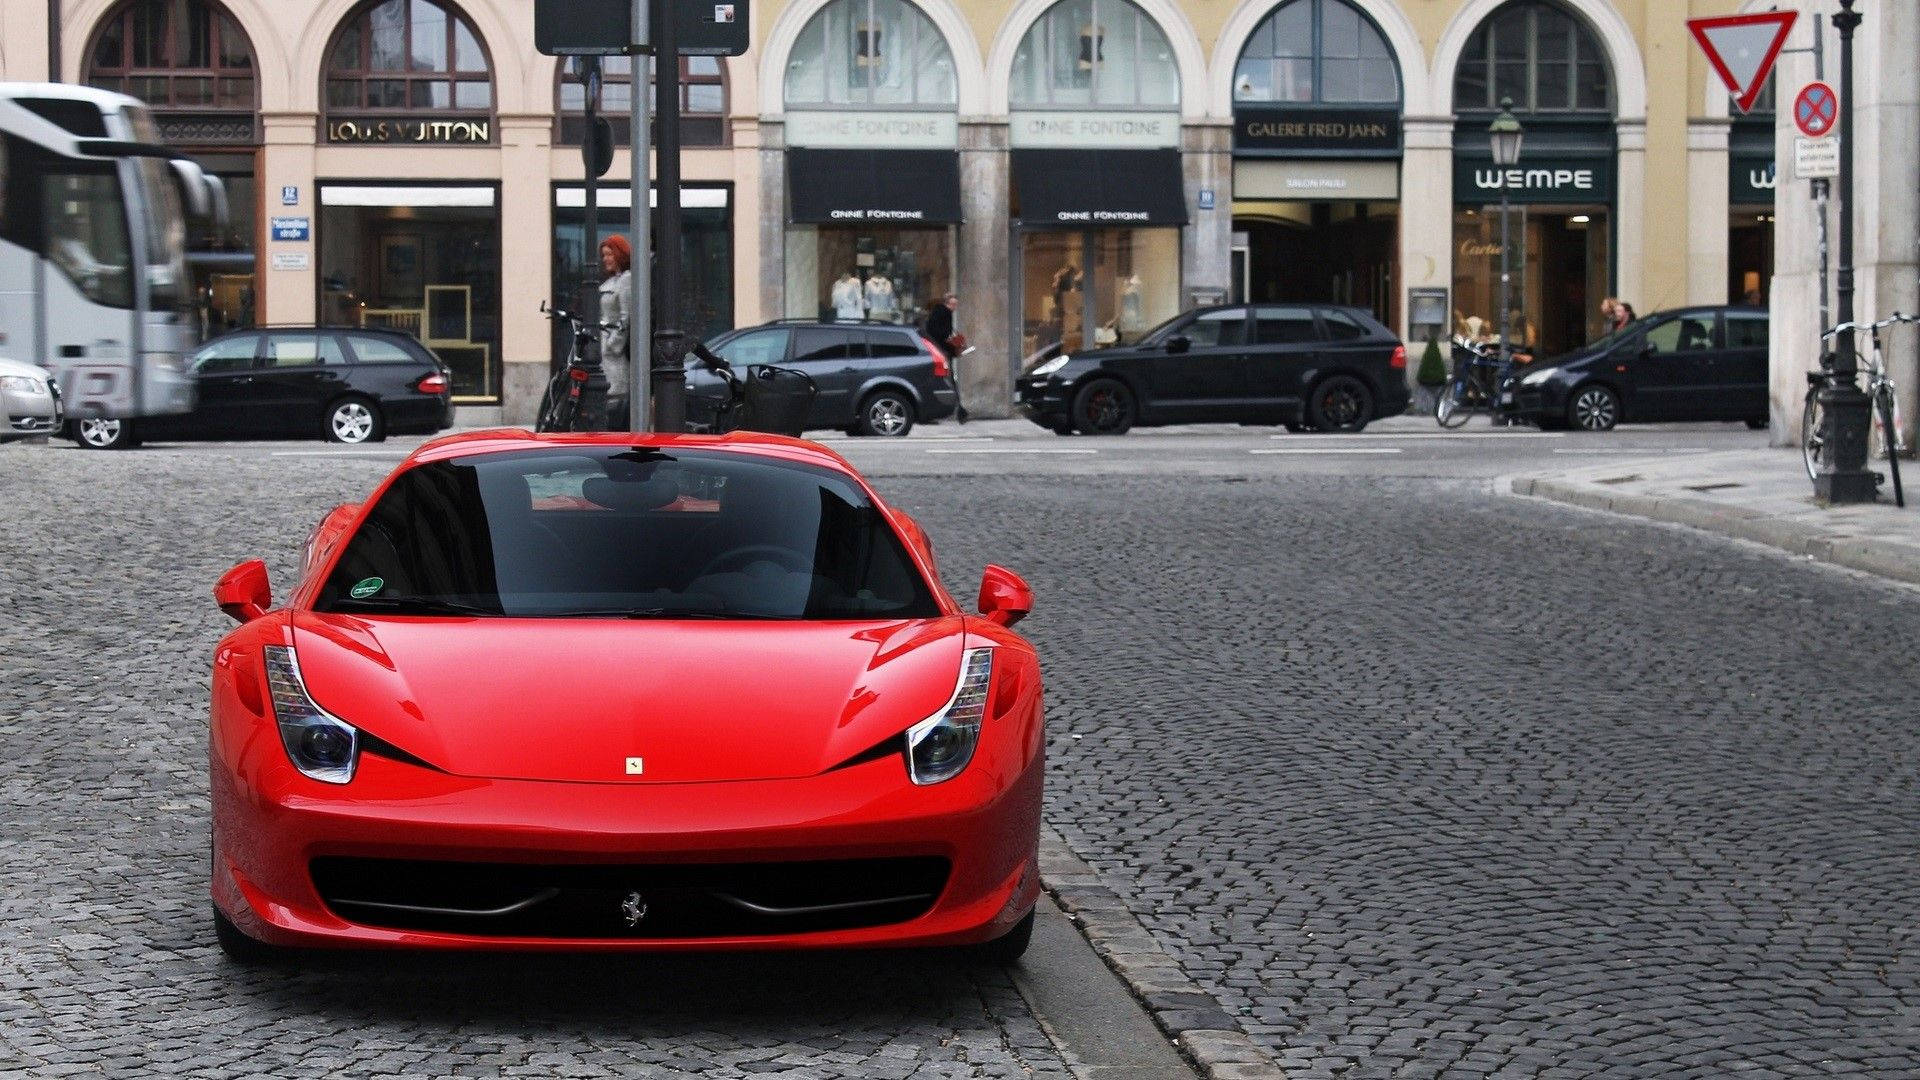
{"type": "Point", "coordinates": [429, 132]}
{"type": "Point", "coordinates": [1545, 180]}
{"type": "Point", "coordinates": [1350, 132]}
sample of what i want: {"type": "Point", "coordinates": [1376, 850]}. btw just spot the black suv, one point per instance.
{"type": "Point", "coordinates": [1302, 365]}
{"type": "Point", "coordinates": [873, 378]}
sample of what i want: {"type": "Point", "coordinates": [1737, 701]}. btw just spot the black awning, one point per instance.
{"type": "Point", "coordinates": [1099, 187]}
{"type": "Point", "coordinates": [903, 187]}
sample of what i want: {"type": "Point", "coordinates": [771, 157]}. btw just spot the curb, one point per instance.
{"type": "Point", "coordinates": [1190, 1016]}
{"type": "Point", "coordinates": [1854, 553]}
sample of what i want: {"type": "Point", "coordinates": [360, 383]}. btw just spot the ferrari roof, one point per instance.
{"type": "Point", "coordinates": [504, 440]}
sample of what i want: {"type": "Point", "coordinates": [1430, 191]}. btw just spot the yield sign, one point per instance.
{"type": "Point", "coordinates": [1815, 110]}
{"type": "Point", "coordinates": [1742, 49]}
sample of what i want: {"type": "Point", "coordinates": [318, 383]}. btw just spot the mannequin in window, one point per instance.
{"type": "Point", "coordinates": [848, 297]}
{"type": "Point", "coordinates": [1130, 319]}
{"type": "Point", "coordinates": [880, 302]}
{"type": "Point", "coordinates": [866, 54]}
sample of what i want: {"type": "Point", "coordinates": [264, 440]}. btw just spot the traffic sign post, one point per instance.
{"type": "Point", "coordinates": [1742, 49]}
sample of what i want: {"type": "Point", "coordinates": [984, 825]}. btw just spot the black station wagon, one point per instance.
{"type": "Point", "coordinates": [871, 378]}
{"type": "Point", "coordinates": [1302, 365]}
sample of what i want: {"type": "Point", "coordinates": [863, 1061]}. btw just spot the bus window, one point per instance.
{"type": "Point", "coordinates": [86, 230]}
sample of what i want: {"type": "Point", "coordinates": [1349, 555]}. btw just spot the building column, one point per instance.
{"type": "Point", "coordinates": [288, 297]}
{"type": "Point", "coordinates": [1630, 216]}
{"type": "Point", "coordinates": [1426, 220]}
{"type": "Point", "coordinates": [749, 300]}
{"type": "Point", "coordinates": [1206, 244]}
{"type": "Point", "coordinates": [773, 218]}
{"type": "Point", "coordinates": [1887, 196]}
{"type": "Point", "coordinates": [1707, 211]}
{"type": "Point", "coordinates": [986, 271]}
{"type": "Point", "coordinates": [526, 266]}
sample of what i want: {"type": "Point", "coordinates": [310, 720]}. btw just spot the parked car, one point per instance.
{"type": "Point", "coordinates": [29, 401]}
{"type": "Point", "coordinates": [873, 378]}
{"type": "Point", "coordinates": [1697, 363]}
{"type": "Point", "coordinates": [346, 384]}
{"type": "Point", "coordinates": [1302, 365]}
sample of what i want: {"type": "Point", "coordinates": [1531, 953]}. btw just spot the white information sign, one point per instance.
{"type": "Point", "coordinates": [1814, 159]}
{"type": "Point", "coordinates": [292, 260]}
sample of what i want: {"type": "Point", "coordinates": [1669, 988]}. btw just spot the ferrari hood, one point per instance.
{"type": "Point", "coordinates": [575, 699]}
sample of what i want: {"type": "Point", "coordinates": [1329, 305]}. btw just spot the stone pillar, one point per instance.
{"type": "Point", "coordinates": [749, 303]}
{"type": "Point", "coordinates": [1793, 329]}
{"type": "Point", "coordinates": [1426, 220]}
{"type": "Point", "coordinates": [288, 297]}
{"type": "Point", "coordinates": [526, 264]}
{"type": "Point", "coordinates": [772, 221]}
{"type": "Point", "coordinates": [1887, 196]}
{"type": "Point", "coordinates": [1206, 244]}
{"type": "Point", "coordinates": [986, 272]}
{"type": "Point", "coordinates": [1630, 216]}
{"type": "Point", "coordinates": [1707, 212]}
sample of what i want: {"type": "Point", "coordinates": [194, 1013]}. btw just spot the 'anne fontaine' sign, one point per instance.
{"type": "Point", "coordinates": [399, 132]}
{"type": "Point", "coordinates": [1478, 182]}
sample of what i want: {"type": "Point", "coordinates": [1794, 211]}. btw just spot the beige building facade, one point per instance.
{"type": "Point", "coordinates": [1075, 170]}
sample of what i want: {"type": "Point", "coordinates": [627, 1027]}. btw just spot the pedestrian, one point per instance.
{"type": "Point", "coordinates": [1615, 314]}
{"type": "Point", "coordinates": [616, 291]}
{"type": "Point", "coordinates": [939, 330]}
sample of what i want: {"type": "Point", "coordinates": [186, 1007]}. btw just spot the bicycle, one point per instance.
{"type": "Point", "coordinates": [560, 405]}
{"type": "Point", "coordinates": [1479, 372]}
{"type": "Point", "coordinates": [1884, 402]}
{"type": "Point", "coordinates": [769, 398]}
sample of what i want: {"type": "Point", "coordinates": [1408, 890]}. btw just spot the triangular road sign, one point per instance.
{"type": "Point", "coordinates": [1742, 49]}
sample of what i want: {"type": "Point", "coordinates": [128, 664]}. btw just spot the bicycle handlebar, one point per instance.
{"type": "Point", "coordinates": [1844, 327]}
{"type": "Point", "coordinates": [579, 325]}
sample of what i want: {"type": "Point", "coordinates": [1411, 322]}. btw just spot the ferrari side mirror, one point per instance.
{"type": "Point", "coordinates": [1004, 597]}
{"type": "Point", "coordinates": [243, 592]}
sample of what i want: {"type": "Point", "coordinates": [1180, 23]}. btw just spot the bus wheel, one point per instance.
{"type": "Point", "coordinates": [102, 434]}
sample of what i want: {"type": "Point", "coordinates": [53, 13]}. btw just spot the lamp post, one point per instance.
{"type": "Point", "coordinates": [1504, 134]}
{"type": "Point", "coordinates": [1843, 475]}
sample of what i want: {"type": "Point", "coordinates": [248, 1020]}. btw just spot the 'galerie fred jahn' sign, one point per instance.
{"type": "Point", "coordinates": [429, 132]}
{"type": "Point", "coordinates": [1578, 181]}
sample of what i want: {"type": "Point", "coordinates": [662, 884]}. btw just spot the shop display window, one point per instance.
{"type": "Point", "coordinates": [890, 275]}
{"type": "Point", "coordinates": [703, 100]}
{"type": "Point", "coordinates": [1560, 269]}
{"type": "Point", "coordinates": [1094, 288]}
{"type": "Point", "coordinates": [706, 255]}
{"type": "Point", "coordinates": [1320, 51]}
{"type": "Point", "coordinates": [1539, 54]}
{"type": "Point", "coordinates": [1094, 53]}
{"type": "Point", "coordinates": [882, 54]}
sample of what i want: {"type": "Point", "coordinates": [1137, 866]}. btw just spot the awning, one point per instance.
{"type": "Point", "coordinates": [1099, 187]}
{"type": "Point", "coordinates": [900, 187]}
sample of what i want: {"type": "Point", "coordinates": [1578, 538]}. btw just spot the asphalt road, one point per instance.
{"type": "Point", "coordinates": [1414, 779]}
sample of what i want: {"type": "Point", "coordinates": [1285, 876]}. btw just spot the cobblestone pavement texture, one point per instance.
{"type": "Point", "coordinates": [1413, 779]}
{"type": "Point", "coordinates": [107, 961]}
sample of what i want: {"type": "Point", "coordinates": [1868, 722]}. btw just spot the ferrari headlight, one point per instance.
{"type": "Point", "coordinates": [19, 384]}
{"type": "Point", "coordinates": [942, 744]}
{"type": "Point", "coordinates": [1535, 378]}
{"type": "Point", "coordinates": [1051, 366]}
{"type": "Point", "coordinates": [319, 744]}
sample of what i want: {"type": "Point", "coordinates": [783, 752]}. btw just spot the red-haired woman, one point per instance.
{"type": "Point", "coordinates": [616, 301]}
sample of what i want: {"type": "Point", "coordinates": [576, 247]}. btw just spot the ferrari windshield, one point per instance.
{"type": "Point", "coordinates": [621, 532]}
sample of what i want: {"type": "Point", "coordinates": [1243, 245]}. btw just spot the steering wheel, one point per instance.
{"type": "Point", "coordinates": [787, 557]}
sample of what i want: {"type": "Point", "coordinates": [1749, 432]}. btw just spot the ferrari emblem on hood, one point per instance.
{"type": "Point", "coordinates": [635, 766]}
{"type": "Point", "coordinates": [633, 909]}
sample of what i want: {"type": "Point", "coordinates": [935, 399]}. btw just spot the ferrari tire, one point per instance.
{"type": "Point", "coordinates": [240, 948]}
{"type": "Point", "coordinates": [1008, 947]}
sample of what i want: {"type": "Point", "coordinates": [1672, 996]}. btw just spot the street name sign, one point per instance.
{"type": "Point", "coordinates": [1815, 159]}
{"type": "Point", "coordinates": [1816, 109]}
{"type": "Point", "coordinates": [1742, 49]}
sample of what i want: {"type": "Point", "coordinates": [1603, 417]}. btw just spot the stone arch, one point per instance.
{"type": "Point", "coordinates": [1188, 56]}
{"type": "Point", "coordinates": [272, 67]}
{"type": "Point", "coordinates": [1629, 67]}
{"type": "Point", "coordinates": [969, 80]}
{"type": "Point", "coordinates": [508, 67]}
{"type": "Point", "coordinates": [1415, 83]}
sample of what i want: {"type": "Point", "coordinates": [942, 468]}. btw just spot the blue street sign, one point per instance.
{"type": "Point", "coordinates": [290, 196]}
{"type": "Point", "coordinates": [1206, 198]}
{"type": "Point", "coordinates": [292, 228]}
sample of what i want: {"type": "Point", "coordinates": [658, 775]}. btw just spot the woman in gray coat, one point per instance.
{"type": "Point", "coordinates": [616, 303]}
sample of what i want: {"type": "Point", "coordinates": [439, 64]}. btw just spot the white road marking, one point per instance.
{"type": "Point", "coordinates": [1428, 435]}
{"type": "Point", "coordinates": [909, 440]}
{"type": "Point", "coordinates": [1332, 450]}
{"type": "Point", "coordinates": [1644, 451]}
{"type": "Point", "coordinates": [1006, 450]}
{"type": "Point", "coordinates": [376, 454]}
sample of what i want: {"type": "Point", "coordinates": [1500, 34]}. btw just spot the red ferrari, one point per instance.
{"type": "Point", "coordinates": [617, 691]}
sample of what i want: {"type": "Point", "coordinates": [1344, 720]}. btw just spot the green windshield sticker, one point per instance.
{"type": "Point", "coordinates": [366, 587]}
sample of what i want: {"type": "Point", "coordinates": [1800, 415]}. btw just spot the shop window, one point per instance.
{"type": "Point", "coordinates": [1119, 282]}
{"type": "Point", "coordinates": [703, 100]}
{"type": "Point", "coordinates": [881, 54]}
{"type": "Point", "coordinates": [1320, 52]}
{"type": "Point", "coordinates": [406, 55]}
{"type": "Point", "coordinates": [1094, 54]}
{"type": "Point", "coordinates": [1560, 267]}
{"type": "Point", "coordinates": [891, 275]}
{"type": "Point", "coordinates": [706, 254]}
{"type": "Point", "coordinates": [174, 54]}
{"type": "Point", "coordinates": [1538, 54]}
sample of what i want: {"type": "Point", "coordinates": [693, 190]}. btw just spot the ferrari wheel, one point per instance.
{"type": "Point", "coordinates": [240, 948]}
{"type": "Point", "coordinates": [1009, 946]}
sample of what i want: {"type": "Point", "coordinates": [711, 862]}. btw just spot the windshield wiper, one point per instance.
{"type": "Point", "coordinates": [412, 605]}
{"type": "Point", "coordinates": [663, 613]}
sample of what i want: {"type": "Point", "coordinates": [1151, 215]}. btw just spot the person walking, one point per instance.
{"type": "Point", "coordinates": [939, 330]}
{"type": "Point", "coordinates": [616, 309]}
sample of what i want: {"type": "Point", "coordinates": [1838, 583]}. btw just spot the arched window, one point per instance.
{"type": "Point", "coordinates": [1538, 54]}
{"type": "Point", "coordinates": [182, 54]}
{"type": "Point", "coordinates": [875, 54]}
{"type": "Point", "coordinates": [1094, 53]}
{"type": "Point", "coordinates": [703, 99]}
{"type": "Point", "coordinates": [1317, 52]}
{"type": "Point", "coordinates": [408, 54]}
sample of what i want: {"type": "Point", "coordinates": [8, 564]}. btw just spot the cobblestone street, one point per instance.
{"type": "Point", "coordinates": [1412, 778]}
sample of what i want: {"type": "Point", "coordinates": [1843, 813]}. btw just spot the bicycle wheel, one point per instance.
{"type": "Point", "coordinates": [1890, 435]}
{"type": "Point", "coordinates": [1811, 440]}
{"type": "Point", "coordinates": [1452, 410]}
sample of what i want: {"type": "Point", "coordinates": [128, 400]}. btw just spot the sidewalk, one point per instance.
{"type": "Point", "coordinates": [1758, 495]}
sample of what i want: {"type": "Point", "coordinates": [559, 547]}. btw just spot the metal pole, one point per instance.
{"type": "Point", "coordinates": [1506, 350]}
{"type": "Point", "coordinates": [669, 350]}
{"type": "Point", "coordinates": [590, 240]}
{"type": "Point", "coordinates": [1843, 476]}
{"type": "Point", "coordinates": [639, 395]}
{"type": "Point", "coordinates": [53, 41]}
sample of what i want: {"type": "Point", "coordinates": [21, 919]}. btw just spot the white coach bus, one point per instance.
{"type": "Point", "coordinates": [93, 278]}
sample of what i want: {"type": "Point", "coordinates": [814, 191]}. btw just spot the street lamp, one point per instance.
{"type": "Point", "coordinates": [1504, 134]}
{"type": "Point", "coordinates": [1843, 476]}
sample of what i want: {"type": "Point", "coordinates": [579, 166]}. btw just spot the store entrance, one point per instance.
{"type": "Point", "coordinates": [1750, 256]}
{"type": "Point", "coordinates": [1560, 270]}
{"type": "Point", "coordinates": [1090, 288]}
{"type": "Point", "coordinates": [1326, 252]}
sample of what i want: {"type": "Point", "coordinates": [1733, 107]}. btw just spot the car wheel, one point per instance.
{"type": "Point", "coordinates": [1342, 403]}
{"type": "Point", "coordinates": [240, 948]}
{"type": "Point", "coordinates": [885, 413]}
{"type": "Point", "coordinates": [354, 420]}
{"type": "Point", "coordinates": [1103, 407]}
{"type": "Point", "coordinates": [1593, 408]}
{"type": "Point", "coordinates": [99, 434]}
{"type": "Point", "coordinates": [1009, 946]}
{"type": "Point", "coordinates": [1757, 425]}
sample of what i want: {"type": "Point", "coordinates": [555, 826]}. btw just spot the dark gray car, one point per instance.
{"type": "Point", "coordinates": [873, 378]}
